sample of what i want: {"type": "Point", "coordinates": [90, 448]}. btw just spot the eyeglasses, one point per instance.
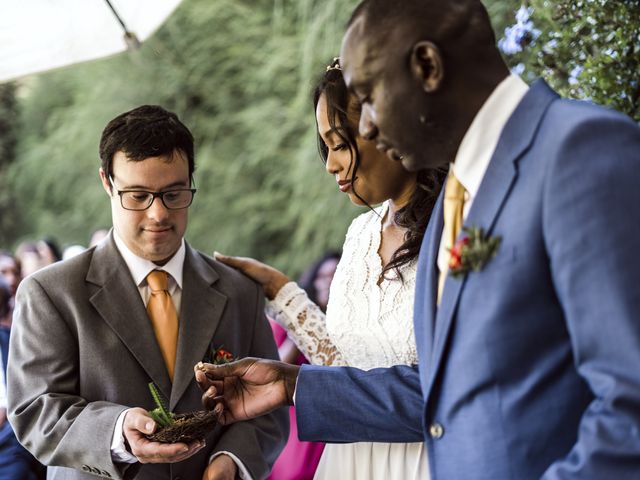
{"type": "Point", "coordinates": [142, 199]}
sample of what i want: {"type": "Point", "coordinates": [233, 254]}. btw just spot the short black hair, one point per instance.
{"type": "Point", "coordinates": [146, 131]}
{"type": "Point", "coordinates": [444, 20]}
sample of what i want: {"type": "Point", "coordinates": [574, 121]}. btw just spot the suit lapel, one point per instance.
{"type": "Point", "coordinates": [200, 313]}
{"type": "Point", "coordinates": [496, 184]}
{"type": "Point", "coordinates": [118, 302]}
{"type": "Point", "coordinates": [426, 286]}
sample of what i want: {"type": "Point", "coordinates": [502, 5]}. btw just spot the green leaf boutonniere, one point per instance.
{"type": "Point", "coordinates": [472, 252]}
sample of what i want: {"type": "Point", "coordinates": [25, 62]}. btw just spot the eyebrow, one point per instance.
{"type": "Point", "coordinates": [166, 187]}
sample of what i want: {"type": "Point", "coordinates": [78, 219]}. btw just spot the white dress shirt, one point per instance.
{"type": "Point", "coordinates": [479, 143]}
{"type": "Point", "coordinates": [139, 269]}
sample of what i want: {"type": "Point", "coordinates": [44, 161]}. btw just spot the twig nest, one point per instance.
{"type": "Point", "coordinates": [186, 427]}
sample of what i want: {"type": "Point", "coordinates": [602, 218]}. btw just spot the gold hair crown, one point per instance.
{"type": "Point", "coordinates": [334, 65]}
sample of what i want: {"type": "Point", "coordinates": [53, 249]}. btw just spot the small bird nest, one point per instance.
{"type": "Point", "coordinates": [186, 427]}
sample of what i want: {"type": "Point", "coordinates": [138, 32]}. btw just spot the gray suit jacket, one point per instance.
{"type": "Point", "coordinates": [83, 350]}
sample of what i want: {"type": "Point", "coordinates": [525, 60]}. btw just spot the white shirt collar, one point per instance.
{"type": "Point", "coordinates": [481, 139]}
{"type": "Point", "coordinates": [140, 267]}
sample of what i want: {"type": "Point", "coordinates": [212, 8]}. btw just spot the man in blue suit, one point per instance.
{"type": "Point", "coordinates": [528, 320]}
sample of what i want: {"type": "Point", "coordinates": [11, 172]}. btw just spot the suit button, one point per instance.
{"type": "Point", "coordinates": [436, 431]}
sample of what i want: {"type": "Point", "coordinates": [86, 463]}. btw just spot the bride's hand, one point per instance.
{"type": "Point", "coordinates": [272, 280]}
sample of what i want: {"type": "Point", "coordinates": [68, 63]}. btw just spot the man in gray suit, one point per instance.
{"type": "Point", "coordinates": [86, 340]}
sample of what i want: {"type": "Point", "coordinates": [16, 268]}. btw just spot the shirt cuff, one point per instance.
{"type": "Point", "coordinates": [243, 473]}
{"type": "Point", "coordinates": [119, 453]}
{"type": "Point", "coordinates": [295, 390]}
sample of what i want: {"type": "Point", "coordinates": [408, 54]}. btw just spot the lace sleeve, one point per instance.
{"type": "Point", "coordinates": [305, 325]}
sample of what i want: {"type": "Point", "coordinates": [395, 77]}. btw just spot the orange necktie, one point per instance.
{"type": "Point", "coordinates": [163, 317]}
{"type": "Point", "coordinates": [452, 211]}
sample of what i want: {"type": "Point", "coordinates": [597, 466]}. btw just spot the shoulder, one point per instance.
{"type": "Point", "coordinates": [227, 276]}
{"type": "Point", "coordinates": [62, 274]}
{"type": "Point", "coordinates": [583, 120]}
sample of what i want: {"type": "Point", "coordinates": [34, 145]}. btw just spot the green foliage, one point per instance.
{"type": "Point", "coordinates": [9, 113]}
{"type": "Point", "coordinates": [587, 49]}
{"type": "Point", "coordinates": [161, 414]}
{"type": "Point", "coordinates": [240, 74]}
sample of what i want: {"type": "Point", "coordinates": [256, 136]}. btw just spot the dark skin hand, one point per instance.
{"type": "Point", "coordinates": [246, 389]}
{"type": "Point", "coordinates": [221, 468]}
{"type": "Point", "coordinates": [269, 278]}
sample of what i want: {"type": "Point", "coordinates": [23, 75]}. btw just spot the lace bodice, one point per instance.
{"type": "Point", "coordinates": [367, 325]}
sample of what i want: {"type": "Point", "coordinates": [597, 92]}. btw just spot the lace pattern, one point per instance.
{"type": "Point", "coordinates": [367, 325]}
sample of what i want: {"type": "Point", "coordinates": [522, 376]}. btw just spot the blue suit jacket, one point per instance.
{"type": "Point", "coordinates": [531, 367]}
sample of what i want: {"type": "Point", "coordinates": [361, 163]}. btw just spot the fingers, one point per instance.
{"type": "Point", "coordinates": [269, 278]}
{"type": "Point", "coordinates": [137, 423]}
{"type": "Point", "coordinates": [139, 420]}
{"type": "Point", "coordinates": [155, 452]}
{"type": "Point", "coordinates": [219, 372]}
{"type": "Point", "coordinates": [235, 262]}
{"type": "Point", "coordinates": [221, 467]}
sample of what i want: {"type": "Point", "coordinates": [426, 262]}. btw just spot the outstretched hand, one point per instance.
{"type": "Point", "coordinates": [246, 389]}
{"type": "Point", "coordinates": [272, 280]}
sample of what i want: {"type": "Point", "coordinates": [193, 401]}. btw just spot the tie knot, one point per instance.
{"type": "Point", "coordinates": [157, 281]}
{"type": "Point", "coordinates": [454, 190]}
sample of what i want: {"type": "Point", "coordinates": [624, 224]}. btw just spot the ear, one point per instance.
{"type": "Point", "coordinates": [427, 66]}
{"type": "Point", "coordinates": [105, 182]}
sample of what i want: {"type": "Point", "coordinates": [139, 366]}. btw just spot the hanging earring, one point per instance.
{"type": "Point", "coordinates": [423, 119]}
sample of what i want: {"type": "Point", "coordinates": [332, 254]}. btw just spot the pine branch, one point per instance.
{"type": "Point", "coordinates": [161, 414]}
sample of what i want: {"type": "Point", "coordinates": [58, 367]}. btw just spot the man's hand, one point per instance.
{"type": "Point", "coordinates": [272, 280]}
{"type": "Point", "coordinates": [246, 389]}
{"type": "Point", "coordinates": [137, 424]}
{"type": "Point", "coordinates": [221, 468]}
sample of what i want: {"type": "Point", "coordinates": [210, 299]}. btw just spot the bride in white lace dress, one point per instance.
{"type": "Point", "coordinates": [369, 319]}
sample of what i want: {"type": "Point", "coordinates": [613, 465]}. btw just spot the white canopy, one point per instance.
{"type": "Point", "coordinates": [38, 35]}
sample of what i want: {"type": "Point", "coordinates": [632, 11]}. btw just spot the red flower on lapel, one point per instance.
{"type": "Point", "coordinates": [218, 355]}
{"type": "Point", "coordinates": [221, 356]}
{"type": "Point", "coordinates": [472, 252]}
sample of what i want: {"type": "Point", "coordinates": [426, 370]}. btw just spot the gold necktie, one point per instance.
{"type": "Point", "coordinates": [453, 206]}
{"type": "Point", "coordinates": [163, 317]}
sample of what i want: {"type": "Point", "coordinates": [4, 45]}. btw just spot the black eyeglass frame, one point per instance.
{"type": "Point", "coordinates": [154, 195]}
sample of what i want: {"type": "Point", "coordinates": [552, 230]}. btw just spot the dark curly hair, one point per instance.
{"type": "Point", "coordinates": [342, 108]}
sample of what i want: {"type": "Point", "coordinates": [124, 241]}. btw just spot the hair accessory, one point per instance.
{"type": "Point", "coordinates": [334, 65]}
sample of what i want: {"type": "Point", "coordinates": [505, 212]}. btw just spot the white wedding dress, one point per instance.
{"type": "Point", "coordinates": [366, 326]}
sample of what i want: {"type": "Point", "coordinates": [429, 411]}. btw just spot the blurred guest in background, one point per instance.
{"type": "Point", "coordinates": [97, 236]}
{"type": "Point", "coordinates": [15, 462]}
{"type": "Point", "coordinates": [29, 257]}
{"type": "Point", "coordinates": [49, 251]}
{"type": "Point", "coordinates": [10, 272]}
{"type": "Point", "coordinates": [71, 251]}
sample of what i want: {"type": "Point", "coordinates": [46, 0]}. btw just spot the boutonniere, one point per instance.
{"type": "Point", "coordinates": [218, 356]}
{"type": "Point", "coordinates": [472, 252]}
